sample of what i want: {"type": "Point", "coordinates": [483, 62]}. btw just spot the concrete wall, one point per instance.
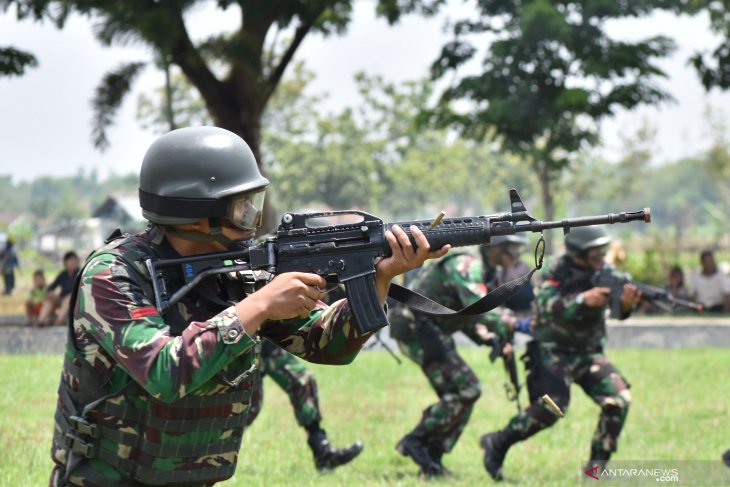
{"type": "Point", "coordinates": [649, 332]}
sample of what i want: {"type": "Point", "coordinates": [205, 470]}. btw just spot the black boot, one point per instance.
{"type": "Point", "coordinates": [436, 452]}
{"type": "Point", "coordinates": [495, 446]}
{"type": "Point", "coordinates": [328, 458]}
{"type": "Point", "coordinates": [726, 458]}
{"type": "Point", "coordinates": [415, 445]}
{"type": "Point", "coordinates": [598, 461]}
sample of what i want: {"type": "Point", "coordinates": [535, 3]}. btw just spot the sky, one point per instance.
{"type": "Point", "coordinates": [37, 141]}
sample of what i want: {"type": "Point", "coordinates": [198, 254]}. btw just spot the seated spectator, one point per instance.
{"type": "Point", "coordinates": [37, 295]}
{"type": "Point", "coordinates": [676, 288]}
{"type": "Point", "coordinates": [58, 293]}
{"type": "Point", "coordinates": [710, 286]}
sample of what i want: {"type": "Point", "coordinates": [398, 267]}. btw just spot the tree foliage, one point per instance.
{"type": "Point", "coordinates": [373, 156]}
{"type": "Point", "coordinates": [549, 75]}
{"type": "Point", "coordinates": [14, 61]}
{"type": "Point", "coordinates": [251, 59]}
{"type": "Point", "coordinates": [713, 66]}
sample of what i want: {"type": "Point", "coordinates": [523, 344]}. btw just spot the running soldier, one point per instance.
{"type": "Point", "coordinates": [456, 281]}
{"type": "Point", "coordinates": [292, 376]}
{"type": "Point", "coordinates": [569, 336]}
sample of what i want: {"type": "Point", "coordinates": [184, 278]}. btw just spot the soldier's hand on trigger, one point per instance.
{"type": "Point", "coordinates": [288, 295]}
{"type": "Point", "coordinates": [630, 297]}
{"type": "Point", "coordinates": [596, 297]}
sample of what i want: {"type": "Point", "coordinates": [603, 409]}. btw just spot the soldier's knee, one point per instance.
{"type": "Point", "coordinates": [617, 405]}
{"type": "Point", "coordinates": [470, 392]}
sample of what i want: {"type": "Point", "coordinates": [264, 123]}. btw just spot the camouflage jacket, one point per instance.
{"type": "Point", "coordinates": [561, 322]}
{"type": "Point", "coordinates": [454, 281]}
{"type": "Point", "coordinates": [134, 382]}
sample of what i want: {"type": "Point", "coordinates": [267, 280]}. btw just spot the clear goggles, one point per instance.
{"type": "Point", "coordinates": [597, 254]}
{"type": "Point", "coordinates": [245, 211]}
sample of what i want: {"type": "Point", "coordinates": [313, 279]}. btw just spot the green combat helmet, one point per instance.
{"type": "Point", "coordinates": [581, 239]}
{"type": "Point", "coordinates": [505, 241]}
{"type": "Point", "coordinates": [201, 172]}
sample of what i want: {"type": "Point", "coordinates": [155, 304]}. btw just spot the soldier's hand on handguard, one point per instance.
{"type": "Point", "coordinates": [596, 297]}
{"type": "Point", "coordinates": [404, 258]}
{"type": "Point", "coordinates": [288, 295]}
{"type": "Point", "coordinates": [630, 297]}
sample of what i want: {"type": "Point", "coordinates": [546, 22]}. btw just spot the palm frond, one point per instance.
{"type": "Point", "coordinates": [110, 94]}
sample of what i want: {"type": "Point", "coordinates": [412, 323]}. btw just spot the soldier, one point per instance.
{"type": "Point", "coordinates": [301, 387]}
{"type": "Point", "coordinates": [569, 336]}
{"type": "Point", "coordinates": [503, 264]}
{"type": "Point", "coordinates": [456, 281]}
{"type": "Point", "coordinates": [150, 399]}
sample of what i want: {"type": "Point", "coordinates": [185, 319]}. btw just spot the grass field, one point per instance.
{"type": "Point", "coordinates": [680, 412]}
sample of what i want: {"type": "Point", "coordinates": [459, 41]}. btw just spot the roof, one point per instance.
{"type": "Point", "coordinates": [128, 203]}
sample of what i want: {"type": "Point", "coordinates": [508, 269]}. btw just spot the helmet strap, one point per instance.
{"type": "Point", "coordinates": [215, 235]}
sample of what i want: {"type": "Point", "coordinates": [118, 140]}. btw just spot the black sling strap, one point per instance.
{"type": "Point", "coordinates": [419, 302]}
{"type": "Point", "coordinates": [499, 296]}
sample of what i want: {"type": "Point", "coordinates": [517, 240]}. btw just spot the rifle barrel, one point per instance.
{"type": "Point", "coordinates": [465, 231]}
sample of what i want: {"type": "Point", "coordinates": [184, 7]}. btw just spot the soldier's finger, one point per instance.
{"type": "Point", "coordinates": [404, 242]}
{"type": "Point", "coordinates": [311, 279]}
{"type": "Point", "coordinates": [395, 249]}
{"type": "Point", "coordinates": [423, 247]}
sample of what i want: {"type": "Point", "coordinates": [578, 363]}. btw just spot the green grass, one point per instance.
{"type": "Point", "coordinates": [680, 410]}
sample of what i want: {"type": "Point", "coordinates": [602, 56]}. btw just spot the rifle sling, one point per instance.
{"type": "Point", "coordinates": [419, 302]}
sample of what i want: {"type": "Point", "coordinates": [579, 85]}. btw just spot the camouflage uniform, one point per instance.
{"type": "Point", "coordinates": [294, 378]}
{"type": "Point", "coordinates": [568, 347]}
{"type": "Point", "coordinates": [301, 387]}
{"type": "Point", "coordinates": [147, 399]}
{"type": "Point", "coordinates": [454, 281]}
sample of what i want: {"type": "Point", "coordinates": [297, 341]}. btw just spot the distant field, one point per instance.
{"type": "Point", "coordinates": [680, 411]}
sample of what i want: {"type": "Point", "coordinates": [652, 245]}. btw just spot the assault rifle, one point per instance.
{"type": "Point", "coordinates": [346, 253]}
{"type": "Point", "coordinates": [615, 282]}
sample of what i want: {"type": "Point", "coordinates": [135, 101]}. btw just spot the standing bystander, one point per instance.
{"type": "Point", "coordinates": [8, 263]}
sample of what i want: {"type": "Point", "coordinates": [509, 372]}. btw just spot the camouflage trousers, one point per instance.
{"type": "Point", "coordinates": [290, 374]}
{"type": "Point", "coordinates": [552, 372]}
{"type": "Point", "coordinates": [455, 384]}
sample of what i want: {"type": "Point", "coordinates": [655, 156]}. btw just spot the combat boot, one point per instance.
{"type": "Point", "coordinates": [495, 446]}
{"type": "Point", "coordinates": [726, 458]}
{"type": "Point", "coordinates": [414, 445]}
{"type": "Point", "coordinates": [598, 461]}
{"type": "Point", "coordinates": [437, 452]}
{"type": "Point", "coordinates": [327, 458]}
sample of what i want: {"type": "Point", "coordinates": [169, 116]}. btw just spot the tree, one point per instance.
{"type": "Point", "coordinates": [713, 68]}
{"type": "Point", "coordinates": [253, 58]}
{"type": "Point", "coordinates": [550, 74]}
{"type": "Point", "coordinates": [374, 156]}
{"type": "Point", "coordinates": [14, 61]}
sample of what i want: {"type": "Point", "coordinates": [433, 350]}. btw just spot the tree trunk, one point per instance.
{"type": "Point", "coordinates": [250, 131]}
